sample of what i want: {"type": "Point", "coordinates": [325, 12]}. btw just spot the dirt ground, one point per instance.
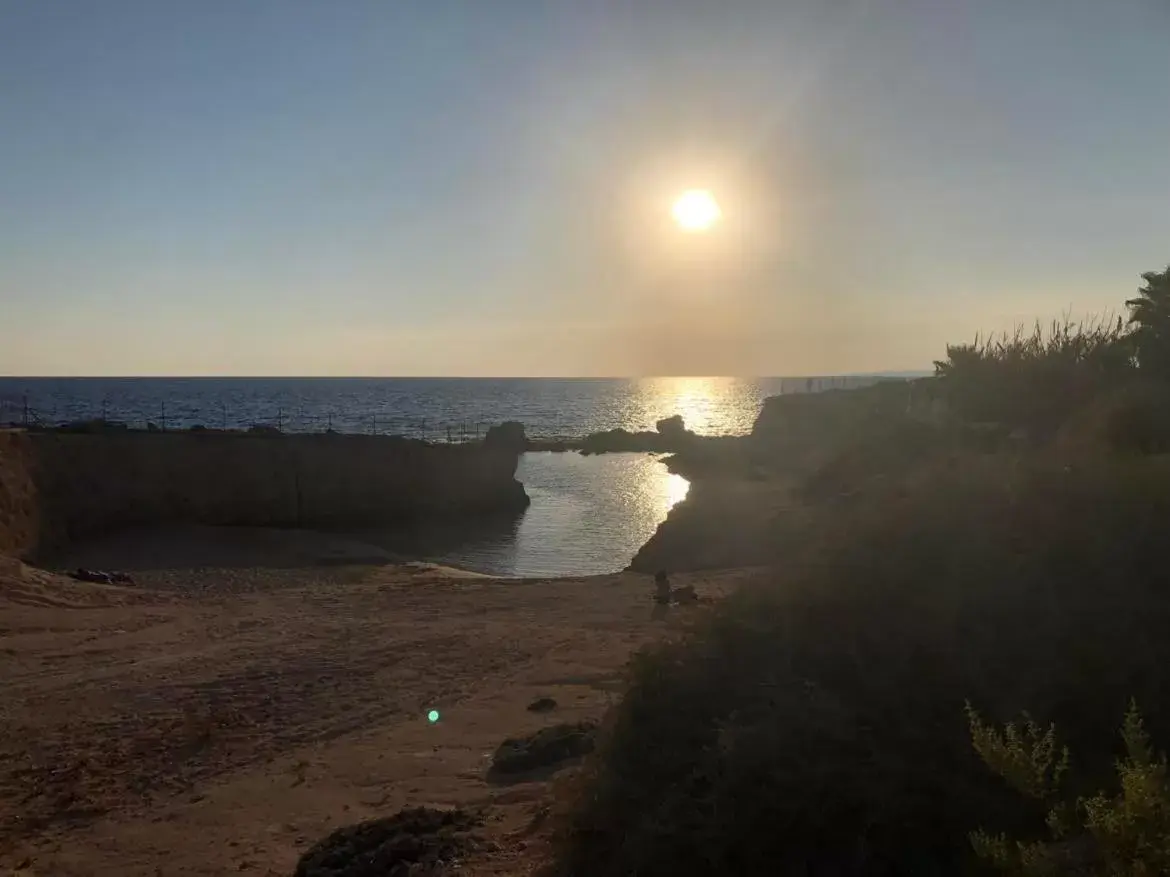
{"type": "Point", "coordinates": [233, 707]}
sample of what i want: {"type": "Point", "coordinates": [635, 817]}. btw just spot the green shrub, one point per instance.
{"type": "Point", "coordinates": [1121, 834]}
{"type": "Point", "coordinates": [1036, 381]}
{"type": "Point", "coordinates": [813, 724]}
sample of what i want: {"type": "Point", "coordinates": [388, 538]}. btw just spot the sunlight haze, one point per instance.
{"type": "Point", "coordinates": [471, 188]}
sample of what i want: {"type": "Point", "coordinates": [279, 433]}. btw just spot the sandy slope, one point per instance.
{"type": "Point", "coordinates": [222, 719]}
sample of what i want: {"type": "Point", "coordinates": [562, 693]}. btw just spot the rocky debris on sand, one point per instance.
{"type": "Point", "coordinates": [101, 578]}
{"type": "Point", "coordinates": [415, 841]}
{"type": "Point", "coordinates": [546, 748]}
{"type": "Point", "coordinates": [542, 705]}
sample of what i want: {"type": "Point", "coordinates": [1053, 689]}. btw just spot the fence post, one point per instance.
{"type": "Point", "coordinates": [280, 420]}
{"type": "Point", "coordinates": [330, 428]}
{"type": "Point", "coordinates": [163, 411]}
{"type": "Point", "coordinates": [26, 410]}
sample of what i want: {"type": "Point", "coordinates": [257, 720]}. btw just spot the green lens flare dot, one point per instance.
{"type": "Point", "coordinates": [433, 716]}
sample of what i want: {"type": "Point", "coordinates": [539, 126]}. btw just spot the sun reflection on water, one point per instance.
{"type": "Point", "coordinates": [589, 515]}
{"type": "Point", "coordinates": [709, 406]}
{"type": "Point", "coordinates": [676, 491]}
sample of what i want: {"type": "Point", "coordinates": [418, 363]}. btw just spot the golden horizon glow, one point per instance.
{"type": "Point", "coordinates": [696, 210]}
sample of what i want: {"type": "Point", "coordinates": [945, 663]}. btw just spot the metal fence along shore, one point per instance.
{"type": "Point", "coordinates": [20, 413]}
{"type": "Point", "coordinates": [463, 421]}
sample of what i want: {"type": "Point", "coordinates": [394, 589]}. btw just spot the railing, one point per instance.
{"type": "Point", "coordinates": [21, 413]}
{"type": "Point", "coordinates": [173, 415]}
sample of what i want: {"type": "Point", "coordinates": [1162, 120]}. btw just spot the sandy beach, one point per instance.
{"type": "Point", "coordinates": [254, 690]}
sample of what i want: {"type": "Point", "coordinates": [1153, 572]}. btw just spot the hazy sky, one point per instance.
{"type": "Point", "coordinates": [396, 187]}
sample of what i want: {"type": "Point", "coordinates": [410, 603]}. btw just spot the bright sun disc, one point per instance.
{"type": "Point", "coordinates": [696, 210]}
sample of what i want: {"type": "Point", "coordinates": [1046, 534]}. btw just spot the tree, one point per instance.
{"type": "Point", "coordinates": [1149, 313]}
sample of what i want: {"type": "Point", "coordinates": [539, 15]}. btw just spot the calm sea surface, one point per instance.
{"type": "Point", "coordinates": [420, 407]}
{"type": "Point", "coordinates": [588, 515]}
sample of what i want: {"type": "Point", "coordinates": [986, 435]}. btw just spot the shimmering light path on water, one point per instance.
{"type": "Point", "coordinates": [589, 515]}
{"type": "Point", "coordinates": [416, 407]}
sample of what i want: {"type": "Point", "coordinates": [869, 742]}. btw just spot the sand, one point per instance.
{"type": "Point", "coordinates": [220, 719]}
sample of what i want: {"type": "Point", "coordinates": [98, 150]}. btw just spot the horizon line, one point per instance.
{"type": "Point", "coordinates": [285, 377]}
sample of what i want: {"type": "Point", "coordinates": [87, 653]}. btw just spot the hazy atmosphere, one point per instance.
{"type": "Point", "coordinates": [441, 188]}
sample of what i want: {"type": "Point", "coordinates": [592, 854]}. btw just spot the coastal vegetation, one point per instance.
{"type": "Point", "coordinates": [991, 536]}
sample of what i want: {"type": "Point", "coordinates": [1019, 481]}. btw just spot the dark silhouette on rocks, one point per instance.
{"type": "Point", "coordinates": [661, 588]}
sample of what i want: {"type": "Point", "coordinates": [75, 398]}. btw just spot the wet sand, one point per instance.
{"type": "Point", "coordinates": [222, 718]}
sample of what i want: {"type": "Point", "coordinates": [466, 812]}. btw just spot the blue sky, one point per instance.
{"type": "Point", "coordinates": [472, 188]}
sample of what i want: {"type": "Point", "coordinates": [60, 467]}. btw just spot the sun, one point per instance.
{"type": "Point", "coordinates": [696, 210]}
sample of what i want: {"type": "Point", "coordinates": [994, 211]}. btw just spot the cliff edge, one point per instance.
{"type": "Point", "coordinates": [56, 487]}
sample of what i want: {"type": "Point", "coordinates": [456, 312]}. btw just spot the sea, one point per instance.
{"type": "Point", "coordinates": [589, 515]}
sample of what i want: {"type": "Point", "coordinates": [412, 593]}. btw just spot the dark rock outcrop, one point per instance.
{"type": "Point", "coordinates": [546, 748]}
{"type": "Point", "coordinates": [673, 427]}
{"type": "Point", "coordinates": [507, 436]}
{"type": "Point", "coordinates": [102, 578]}
{"type": "Point", "coordinates": [413, 841]}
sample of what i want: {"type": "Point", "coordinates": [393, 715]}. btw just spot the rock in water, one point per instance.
{"type": "Point", "coordinates": [507, 436]}
{"type": "Point", "coordinates": [672, 427]}
{"type": "Point", "coordinates": [415, 841]}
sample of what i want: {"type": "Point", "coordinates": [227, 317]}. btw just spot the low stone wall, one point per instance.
{"type": "Point", "coordinates": [57, 487]}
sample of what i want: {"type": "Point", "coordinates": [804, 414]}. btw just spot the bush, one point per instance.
{"type": "Point", "coordinates": [892, 448]}
{"type": "Point", "coordinates": [813, 724]}
{"type": "Point", "coordinates": [1036, 381]}
{"type": "Point", "coordinates": [1126, 832]}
